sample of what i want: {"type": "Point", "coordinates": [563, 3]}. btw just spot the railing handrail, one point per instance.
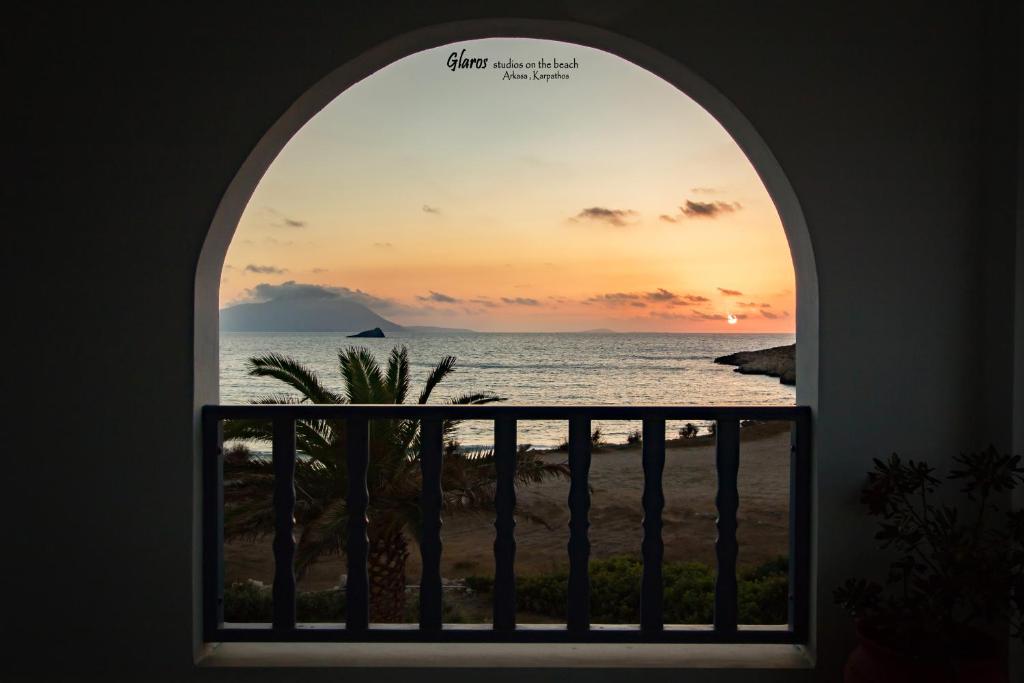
{"type": "Point", "coordinates": [497, 411]}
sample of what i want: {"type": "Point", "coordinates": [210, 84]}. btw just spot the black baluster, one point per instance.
{"type": "Point", "coordinates": [357, 587]}
{"type": "Point", "coordinates": [652, 547]}
{"type": "Point", "coordinates": [430, 511]}
{"type": "Point", "coordinates": [800, 525]}
{"type": "Point", "coordinates": [284, 524]}
{"type": "Point", "coordinates": [504, 525]}
{"type": "Point", "coordinates": [579, 523]}
{"type": "Point", "coordinates": [727, 461]}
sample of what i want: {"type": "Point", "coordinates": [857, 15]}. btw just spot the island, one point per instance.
{"type": "Point", "coordinates": [376, 333]}
{"type": "Point", "coordinates": [778, 361]}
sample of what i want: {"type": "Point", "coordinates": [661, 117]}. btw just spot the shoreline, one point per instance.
{"type": "Point", "coordinates": [777, 361]}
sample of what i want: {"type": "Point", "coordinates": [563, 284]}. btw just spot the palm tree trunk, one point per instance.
{"type": "Point", "coordinates": [386, 566]}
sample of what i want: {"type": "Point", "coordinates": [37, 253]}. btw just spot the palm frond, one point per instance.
{"type": "Point", "coordinates": [294, 374]}
{"type": "Point", "coordinates": [531, 468]}
{"type": "Point", "coordinates": [248, 430]}
{"type": "Point", "coordinates": [397, 380]}
{"type": "Point", "coordinates": [444, 368]}
{"type": "Point", "coordinates": [311, 436]}
{"type": "Point", "coordinates": [449, 427]}
{"type": "Point", "coordinates": [364, 382]}
{"type": "Point", "coordinates": [322, 535]}
{"type": "Point", "coordinates": [248, 495]}
{"type": "Point", "coordinates": [478, 398]}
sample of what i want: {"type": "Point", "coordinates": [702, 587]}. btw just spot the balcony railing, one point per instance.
{"type": "Point", "coordinates": [504, 628]}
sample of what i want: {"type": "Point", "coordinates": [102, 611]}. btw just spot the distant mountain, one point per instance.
{"type": "Point", "coordinates": [598, 330]}
{"type": "Point", "coordinates": [328, 314]}
{"type": "Point", "coordinates": [304, 315]}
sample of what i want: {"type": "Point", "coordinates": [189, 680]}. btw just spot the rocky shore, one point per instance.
{"type": "Point", "coordinates": [778, 361]}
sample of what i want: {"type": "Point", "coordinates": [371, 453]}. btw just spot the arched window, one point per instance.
{"type": "Point", "coordinates": [575, 204]}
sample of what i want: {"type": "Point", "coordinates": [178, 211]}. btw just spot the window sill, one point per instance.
{"type": "Point", "coordinates": [506, 655]}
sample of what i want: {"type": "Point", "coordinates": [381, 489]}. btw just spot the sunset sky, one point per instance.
{"type": "Point", "coordinates": [460, 199]}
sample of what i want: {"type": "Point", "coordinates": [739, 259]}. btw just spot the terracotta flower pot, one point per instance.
{"type": "Point", "coordinates": [874, 662]}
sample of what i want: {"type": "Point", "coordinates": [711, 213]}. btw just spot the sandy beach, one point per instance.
{"type": "Point", "coordinates": [616, 479]}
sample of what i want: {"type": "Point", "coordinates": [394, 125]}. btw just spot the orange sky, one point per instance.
{"type": "Point", "coordinates": [464, 200]}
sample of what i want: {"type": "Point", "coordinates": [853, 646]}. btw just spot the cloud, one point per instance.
{"type": "Point", "coordinates": [614, 298]}
{"type": "Point", "coordinates": [774, 316]}
{"type": "Point", "coordinates": [660, 294]}
{"type": "Point", "coordinates": [298, 291]}
{"type": "Point", "coordinates": [520, 301]}
{"type": "Point", "coordinates": [699, 209]}
{"type": "Point", "coordinates": [703, 190]}
{"type": "Point", "coordinates": [483, 302]}
{"type": "Point", "coordinates": [703, 315]}
{"type": "Point", "coordinates": [283, 221]}
{"type": "Point", "coordinates": [427, 208]}
{"type": "Point", "coordinates": [383, 245]}
{"type": "Point", "coordinates": [664, 296]}
{"type": "Point", "coordinates": [291, 291]}
{"type": "Point", "coordinates": [265, 270]}
{"type": "Point", "coordinates": [319, 270]}
{"type": "Point", "coordinates": [694, 209]}
{"type": "Point", "coordinates": [729, 292]}
{"type": "Point", "coordinates": [752, 304]}
{"type": "Point", "coordinates": [600, 214]}
{"type": "Point", "coordinates": [641, 299]}
{"type": "Point", "coordinates": [440, 298]}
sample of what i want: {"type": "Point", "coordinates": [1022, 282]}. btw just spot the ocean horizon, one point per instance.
{"type": "Point", "coordinates": [534, 368]}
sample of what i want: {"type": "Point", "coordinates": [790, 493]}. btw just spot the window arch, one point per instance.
{"type": "Point", "coordinates": [240, 190]}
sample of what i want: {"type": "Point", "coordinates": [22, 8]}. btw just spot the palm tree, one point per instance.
{"type": "Point", "coordinates": [393, 477]}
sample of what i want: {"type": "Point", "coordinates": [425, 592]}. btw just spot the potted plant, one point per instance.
{"type": "Point", "coordinates": [958, 568]}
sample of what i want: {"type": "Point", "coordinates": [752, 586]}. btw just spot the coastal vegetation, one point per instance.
{"type": "Point", "coordinates": [688, 431]}
{"type": "Point", "coordinates": [615, 596]}
{"type": "Point", "coordinates": [393, 479]}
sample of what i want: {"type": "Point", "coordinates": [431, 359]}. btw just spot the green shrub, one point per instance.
{"type": "Point", "coordinates": [247, 602]}
{"type": "Point", "coordinates": [544, 593]}
{"type": "Point", "coordinates": [250, 601]}
{"type": "Point", "coordinates": [480, 584]}
{"type": "Point", "coordinates": [778, 566]}
{"type": "Point", "coordinates": [763, 595]}
{"type": "Point", "coordinates": [763, 592]}
{"type": "Point", "coordinates": [764, 601]}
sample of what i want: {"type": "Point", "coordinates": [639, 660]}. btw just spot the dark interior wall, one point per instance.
{"type": "Point", "coordinates": [126, 128]}
{"type": "Point", "coordinates": [1017, 649]}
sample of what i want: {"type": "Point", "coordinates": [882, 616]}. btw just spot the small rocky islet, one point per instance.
{"type": "Point", "coordinates": [375, 333]}
{"type": "Point", "coordinates": [778, 361]}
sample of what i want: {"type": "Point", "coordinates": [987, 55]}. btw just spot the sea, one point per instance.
{"type": "Point", "coordinates": [537, 369]}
